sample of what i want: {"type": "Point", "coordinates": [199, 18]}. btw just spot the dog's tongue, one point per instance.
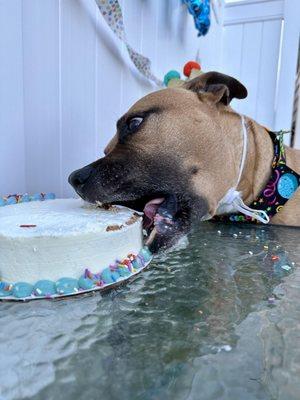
{"type": "Point", "coordinates": [163, 222]}
{"type": "Point", "coordinates": [151, 209]}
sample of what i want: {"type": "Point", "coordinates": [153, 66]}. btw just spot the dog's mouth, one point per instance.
{"type": "Point", "coordinates": [165, 218]}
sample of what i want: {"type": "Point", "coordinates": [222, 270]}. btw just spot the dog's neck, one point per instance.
{"type": "Point", "coordinates": [268, 175]}
{"type": "Point", "coordinates": [251, 175]}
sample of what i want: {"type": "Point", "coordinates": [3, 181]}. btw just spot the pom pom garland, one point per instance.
{"type": "Point", "coordinates": [191, 70]}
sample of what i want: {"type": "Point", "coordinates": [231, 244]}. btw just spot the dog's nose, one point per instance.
{"type": "Point", "coordinates": [79, 177]}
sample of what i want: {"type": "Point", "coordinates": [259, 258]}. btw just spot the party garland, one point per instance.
{"type": "Point", "coordinates": [112, 14]}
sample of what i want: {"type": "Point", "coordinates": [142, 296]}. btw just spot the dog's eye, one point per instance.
{"type": "Point", "coordinates": [134, 123]}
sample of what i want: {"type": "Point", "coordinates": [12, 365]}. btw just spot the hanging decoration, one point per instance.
{"type": "Point", "coordinates": [112, 13]}
{"type": "Point", "coordinates": [191, 70]}
{"type": "Point", "coordinates": [200, 10]}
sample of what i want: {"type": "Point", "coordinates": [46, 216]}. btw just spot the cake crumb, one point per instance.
{"type": "Point", "coordinates": [113, 228]}
{"type": "Point", "coordinates": [135, 216]}
{"type": "Point", "coordinates": [107, 207]}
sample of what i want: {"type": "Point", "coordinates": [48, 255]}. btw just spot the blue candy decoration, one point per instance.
{"type": "Point", "coordinates": [287, 185]}
{"type": "Point", "coordinates": [137, 263]}
{"type": "Point", "coordinates": [36, 197]}
{"type": "Point", "coordinates": [44, 288]}
{"type": "Point", "coordinates": [5, 289]}
{"type": "Point", "coordinates": [123, 271]}
{"type": "Point", "coordinates": [115, 276]}
{"type": "Point", "coordinates": [146, 254]}
{"type": "Point", "coordinates": [67, 286]}
{"type": "Point", "coordinates": [200, 10]}
{"type": "Point", "coordinates": [22, 290]}
{"type": "Point", "coordinates": [106, 276]}
{"type": "Point", "coordinates": [85, 283]}
{"type": "Point", "coordinates": [49, 196]}
{"type": "Point", "coordinates": [25, 198]}
{"type": "Point", "coordinates": [11, 200]}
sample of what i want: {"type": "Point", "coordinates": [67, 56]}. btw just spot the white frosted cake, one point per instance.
{"type": "Point", "coordinates": [47, 245]}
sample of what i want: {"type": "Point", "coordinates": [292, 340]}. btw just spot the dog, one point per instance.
{"type": "Point", "coordinates": [177, 152]}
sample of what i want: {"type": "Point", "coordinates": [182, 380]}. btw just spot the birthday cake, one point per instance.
{"type": "Point", "coordinates": [64, 246]}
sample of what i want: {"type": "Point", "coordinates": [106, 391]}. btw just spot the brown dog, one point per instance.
{"type": "Point", "coordinates": [182, 147]}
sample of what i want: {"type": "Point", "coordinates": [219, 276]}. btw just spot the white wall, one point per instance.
{"type": "Point", "coordinates": [12, 151]}
{"type": "Point", "coordinates": [260, 44]}
{"type": "Point", "coordinates": [250, 52]}
{"type": "Point", "coordinates": [65, 79]}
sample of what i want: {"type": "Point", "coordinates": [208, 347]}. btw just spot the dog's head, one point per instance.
{"type": "Point", "coordinates": [172, 156]}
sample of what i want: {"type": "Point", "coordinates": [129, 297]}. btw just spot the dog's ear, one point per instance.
{"type": "Point", "coordinates": [217, 87]}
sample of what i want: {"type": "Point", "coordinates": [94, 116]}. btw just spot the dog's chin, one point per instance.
{"type": "Point", "coordinates": [166, 218]}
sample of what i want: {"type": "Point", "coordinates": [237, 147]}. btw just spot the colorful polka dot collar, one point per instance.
{"type": "Point", "coordinates": [282, 185]}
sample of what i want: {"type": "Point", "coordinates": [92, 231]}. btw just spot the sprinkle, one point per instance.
{"type": "Point", "coordinates": [266, 247]}
{"type": "Point", "coordinates": [86, 271]}
{"type": "Point", "coordinates": [250, 252]}
{"type": "Point", "coordinates": [131, 256]}
{"type": "Point", "coordinates": [142, 259]}
{"type": "Point", "coordinates": [235, 235]}
{"type": "Point", "coordinates": [286, 267]}
{"type": "Point", "coordinates": [113, 267]}
{"type": "Point", "coordinates": [274, 258]}
{"type": "Point", "coordinates": [271, 300]}
{"type": "Point", "coordinates": [226, 347]}
{"type": "Point", "coordinates": [127, 262]}
{"type": "Point", "coordinates": [27, 226]}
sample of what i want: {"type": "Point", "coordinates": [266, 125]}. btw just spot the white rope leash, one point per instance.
{"type": "Point", "coordinates": [232, 201]}
{"type": "Point", "coordinates": [244, 152]}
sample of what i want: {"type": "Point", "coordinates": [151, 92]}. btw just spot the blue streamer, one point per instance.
{"type": "Point", "coordinates": [200, 10]}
